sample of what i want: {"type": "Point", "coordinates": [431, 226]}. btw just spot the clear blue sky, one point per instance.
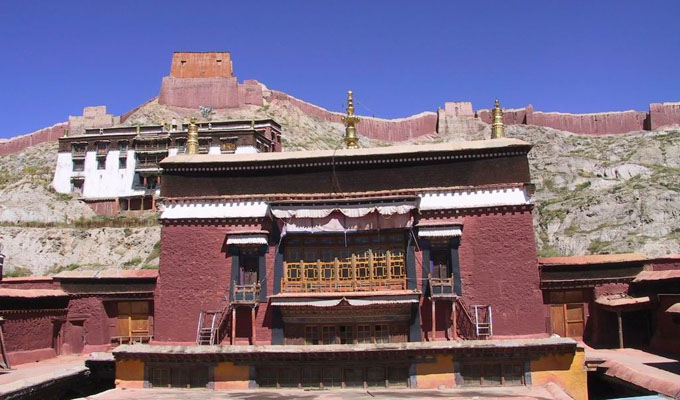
{"type": "Point", "coordinates": [400, 57]}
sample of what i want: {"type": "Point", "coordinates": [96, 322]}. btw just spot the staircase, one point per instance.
{"type": "Point", "coordinates": [209, 324]}
{"type": "Point", "coordinates": [474, 322]}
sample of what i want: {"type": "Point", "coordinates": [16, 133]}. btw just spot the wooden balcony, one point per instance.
{"type": "Point", "coordinates": [245, 294]}
{"type": "Point", "coordinates": [355, 274]}
{"type": "Point", "coordinates": [441, 287]}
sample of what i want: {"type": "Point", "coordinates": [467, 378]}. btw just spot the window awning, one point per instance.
{"type": "Point", "coordinates": [247, 239]}
{"type": "Point", "coordinates": [336, 222]}
{"type": "Point", "coordinates": [621, 301]}
{"type": "Point", "coordinates": [349, 210]}
{"type": "Point", "coordinates": [440, 232]}
{"type": "Point", "coordinates": [337, 302]}
{"type": "Point", "coordinates": [674, 309]}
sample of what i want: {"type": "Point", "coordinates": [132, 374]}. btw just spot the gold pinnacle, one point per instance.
{"type": "Point", "coordinates": [192, 137]}
{"type": "Point", "coordinates": [350, 120]}
{"type": "Point", "coordinates": [497, 127]}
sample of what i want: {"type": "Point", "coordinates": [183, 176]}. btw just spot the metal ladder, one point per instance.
{"type": "Point", "coordinates": [483, 321]}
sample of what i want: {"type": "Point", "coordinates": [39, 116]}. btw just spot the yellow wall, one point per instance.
{"type": "Point", "coordinates": [440, 372]}
{"type": "Point", "coordinates": [230, 376]}
{"type": "Point", "coordinates": [130, 374]}
{"type": "Point", "coordinates": [566, 370]}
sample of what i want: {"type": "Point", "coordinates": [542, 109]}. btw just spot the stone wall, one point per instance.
{"type": "Point", "coordinates": [210, 92]}
{"type": "Point", "coordinates": [93, 117]}
{"type": "Point", "coordinates": [392, 130]}
{"type": "Point", "coordinates": [663, 114]}
{"type": "Point", "coordinates": [615, 122]}
{"type": "Point", "coordinates": [18, 143]}
{"type": "Point", "coordinates": [201, 65]}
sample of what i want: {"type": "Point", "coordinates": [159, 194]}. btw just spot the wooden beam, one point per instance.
{"type": "Point", "coordinates": [233, 325]}
{"type": "Point", "coordinates": [454, 327]}
{"type": "Point", "coordinates": [618, 317]}
{"type": "Point", "coordinates": [434, 322]}
{"type": "Point", "coordinates": [252, 325]}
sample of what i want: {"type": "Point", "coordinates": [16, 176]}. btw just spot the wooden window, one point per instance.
{"type": "Point", "coordinates": [353, 377]}
{"type": "Point", "coordinates": [77, 187]}
{"type": "Point", "coordinates": [266, 377]}
{"type": "Point", "coordinates": [345, 270]}
{"type": "Point", "coordinates": [332, 377]}
{"type": "Point", "coordinates": [375, 377]}
{"type": "Point", "coordinates": [249, 269]}
{"type": "Point", "coordinates": [439, 263]}
{"type": "Point", "coordinates": [328, 334]}
{"type": "Point", "coordinates": [492, 374]}
{"type": "Point", "coordinates": [122, 163]}
{"type": "Point", "coordinates": [379, 264]}
{"type": "Point", "coordinates": [289, 377]}
{"type": "Point", "coordinates": [398, 270]}
{"type": "Point", "coordinates": [101, 162]}
{"type": "Point", "coordinates": [293, 272]}
{"type": "Point", "coordinates": [79, 165]}
{"type": "Point", "coordinates": [362, 267]}
{"type": "Point", "coordinates": [397, 376]}
{"type": "Point", "coordinates": [346, 333]}
{"type": "Point", "coordinates": [311, 271]}
{"type": "Point", "coordinates": [311, 377]}
{"type": "Point", "coordinates": [363, 334]}
{"type": "Point", "coordinates": [382, 334]}
{"type": "Point", "coordinates": [122, 146]}
{"type": "Point", "coordinates": [179, 377]}
{"type": "Point", "coordinates": [311, 334]}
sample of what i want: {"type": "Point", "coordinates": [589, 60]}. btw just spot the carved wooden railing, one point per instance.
{"type": "Point", "coordinates": [358, 274]}
{"type": "Point", "coordinates": [441, 287]}
{"type": "Point", "coordinates": [245, 294]}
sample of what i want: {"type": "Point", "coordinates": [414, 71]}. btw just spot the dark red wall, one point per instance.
{"type": "Point", "coordinates": [195, 274]}
{"type": "Point", "coordinates": [499, 267]}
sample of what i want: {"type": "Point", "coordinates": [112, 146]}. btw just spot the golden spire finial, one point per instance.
{"type": "Point", "coordinates": [497, 127]}
{"type": "Point", "coordinates": [192, 137]}
{"type": "Point", "coordinates": [350, 121]}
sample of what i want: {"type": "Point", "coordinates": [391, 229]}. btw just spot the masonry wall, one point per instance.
{"type": "Point", "coordinates": [195, 276]}
{"type": "Point", "coordinates": [498, 267]}
{"type": "Point", "coordinates": [18, 143]}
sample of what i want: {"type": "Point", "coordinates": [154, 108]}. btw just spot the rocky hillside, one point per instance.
{"type": "Point", "coordinates": [593, 194]}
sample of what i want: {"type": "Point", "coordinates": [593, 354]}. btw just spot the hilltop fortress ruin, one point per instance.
{"type": "Point", "coordinates": [207, 79]}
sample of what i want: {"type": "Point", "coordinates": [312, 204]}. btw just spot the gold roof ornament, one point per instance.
{"type": "Point", "coordinates": [66, 132]}
{"type": "Point", "coordinates": [497, 127]}
{"type": "Point", "coordinates": [192, 137]}
{"type": "Point", "coordinates": [350, 120]}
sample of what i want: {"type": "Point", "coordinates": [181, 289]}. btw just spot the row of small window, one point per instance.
{"type": "Point", "coordinates": [346, 334]}
{"type": "Point", "coordinates": [493, 374]}
{"type": "Point", "coordinates": [102, 147]}
{"type": "Point", "coordinates": [329, 377]}
{"type": "Point", "coordinates": [79, 164]}
{"type": "Point", "coordinates": [344, 264]}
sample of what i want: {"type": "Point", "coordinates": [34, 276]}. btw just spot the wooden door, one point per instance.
{"type": "Point", "coordinates": [567, 320]}
{"type": "Point", "coordinates": [439, 264]}
{"type": "Point", "coordinates": [249, 270]}
{"type": "Point", "coordinates": [575, 320]}
{"type": "Point", "coordinates": [133, 318]}
{"type": "Point", "coordinates": [77, 336]}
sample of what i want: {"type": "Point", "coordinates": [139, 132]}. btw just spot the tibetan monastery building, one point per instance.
{"type": "Point", "coordinates": [405, 266]}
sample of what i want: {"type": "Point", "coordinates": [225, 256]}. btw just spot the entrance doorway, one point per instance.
{"type": "Point", "coordinates": [567, 320]}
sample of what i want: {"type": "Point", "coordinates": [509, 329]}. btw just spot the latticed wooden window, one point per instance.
{"type": "Point", "coordinates": [311, 271]}
{"type": "Point", "coordinates": [397, 267]}
{"type": "Point", "coordinates": [328, 271]}
{"type": "Point", "coordinates": [379, 264]}
{"type": "Point", "coordinates": [311, 335]}
{"type": "Point", "coordinates": [328, 334]}
{"type": "Point", "coordinates": [362, 267]}
{"type": "Point", "coordinates": [346, 334]}
{"type": "Point", "coordinates": [382, 334]}
{"type": "Point", "coordinates": [363, 334]}
{"type": "Point", "coordinates": [345, 270]}
{"type": "Point", "coordinates": [293, 272]}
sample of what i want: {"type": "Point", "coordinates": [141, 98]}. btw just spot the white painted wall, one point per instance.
{"type": "Point", "coordinates": [63, 173]}
{"type": "Point", "coordinates": [246, 150]}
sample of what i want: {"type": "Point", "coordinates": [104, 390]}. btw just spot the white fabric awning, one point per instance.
{"type": "Point", "coordinates": [349, 210]}
{"type": "Point", "coordinates": [336, 302]}
{"type": "Point", "coordinates": [246, 239]}
{"type": "Point", "coordinates": [440, 232]}
{"type": "Point", "coordinates": [337, 222]}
